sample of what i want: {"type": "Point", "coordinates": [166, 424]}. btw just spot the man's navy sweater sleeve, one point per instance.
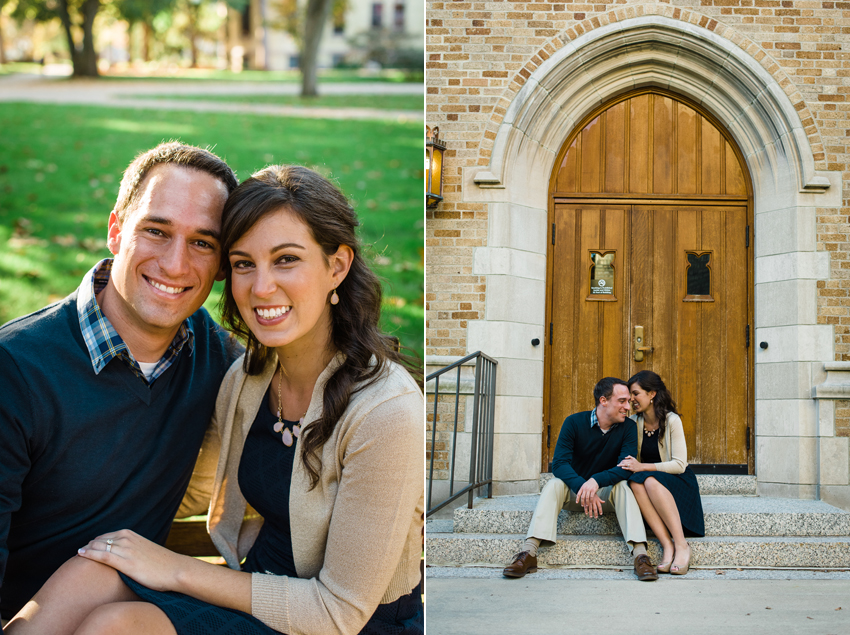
{"type": "Point", "coordinates": [562, 460]}
{"type": "Point", "coordinates": [16, 417]}
{"type": "Point", "coordinates": [615, 474]}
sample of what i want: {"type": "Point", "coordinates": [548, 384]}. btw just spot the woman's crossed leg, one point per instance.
{"type": "Point", "coordinates": [85, 597]}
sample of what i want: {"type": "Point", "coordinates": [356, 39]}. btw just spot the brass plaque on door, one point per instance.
{"type": "Point", "coordinates": [602, 273]}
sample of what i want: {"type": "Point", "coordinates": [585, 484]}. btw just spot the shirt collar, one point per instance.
{"type": "Point", "coordinates": [102, 340]}
{"type": "Point", "coordinates": [594, 420]}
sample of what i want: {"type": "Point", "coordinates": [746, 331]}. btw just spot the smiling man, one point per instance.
{"type": "Point", "coordinates": [108, 393]}
{"type": "Point", "coordinates": [586, 478]}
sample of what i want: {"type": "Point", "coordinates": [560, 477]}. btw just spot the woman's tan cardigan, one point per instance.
{"type": "Point", "coordinates": [673, 451]}
{"type": "Point", "coordinates": [357, 536]}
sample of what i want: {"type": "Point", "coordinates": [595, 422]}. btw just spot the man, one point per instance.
{"type": "Point", "coordinates": [107, 393]}
{"type": "Point", "coordinates": [590, 446]}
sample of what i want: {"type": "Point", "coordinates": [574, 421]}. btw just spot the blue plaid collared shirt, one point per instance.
{"type": "Point", "coordinates": [594, 420]}
{"type": "Point", "coordinates": [102, 340]}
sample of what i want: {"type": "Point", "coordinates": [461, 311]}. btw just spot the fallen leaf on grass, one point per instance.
{"type": "Point", "coordinates": [65, 241]}
{"type": "Point", "coordinates": [19, 242]}
{"type": "Point", "coordinates": [91, 244]}
{"type": "Point", "coordinates": [23, 227]}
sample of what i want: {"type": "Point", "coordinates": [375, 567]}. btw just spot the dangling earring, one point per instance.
{"type": "Point", "coordinates": [334, 298]}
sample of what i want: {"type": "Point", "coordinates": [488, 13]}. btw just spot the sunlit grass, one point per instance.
{"type": "Point", "coordinates": [382, 102]}
{"type": "Point", "coordinates": [60, 168]}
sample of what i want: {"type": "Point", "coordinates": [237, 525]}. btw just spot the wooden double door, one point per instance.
{"type": "Point", "coordinates": [659, 287]}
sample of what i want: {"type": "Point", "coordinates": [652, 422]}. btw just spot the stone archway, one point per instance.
{"type": "Point", "coordinates": [656, 51]}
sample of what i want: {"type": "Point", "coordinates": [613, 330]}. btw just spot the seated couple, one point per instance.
{"type": "Point", "coordinates": [311, 467]}
{"type": "Point", "coordinates": [605, 461]}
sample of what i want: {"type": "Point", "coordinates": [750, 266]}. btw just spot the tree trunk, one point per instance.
{"type": "Point", "coordinates": [65, 17]}
{"type": "Point", "coordinates": [2, 44]}
{"type": "Point", "coordinates": [318, 12]}
{"type": "Point", "coordinates": [88, 59]}
{"type": "Point", "coordinates": [147, 38]}
{"type": "Point", "coordinates": [193, 34]}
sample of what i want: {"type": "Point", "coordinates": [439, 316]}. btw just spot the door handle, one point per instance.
{"type": "Point", "coordinates": [639, 347]}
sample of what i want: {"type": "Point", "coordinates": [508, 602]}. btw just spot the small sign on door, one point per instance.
{"type": "Point", "coordinates": [602, 272]}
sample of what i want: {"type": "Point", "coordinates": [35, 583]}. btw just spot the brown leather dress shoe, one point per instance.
{"type": "Point", "coordinates": [644, 570]}
{"type": "Point", "coordinates": [523, 563]}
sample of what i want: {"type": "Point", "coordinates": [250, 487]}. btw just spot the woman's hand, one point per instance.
{"type": "Point", "coordinates": [631, 464]}
{"type": "Point", "coordinates": [146, 562]}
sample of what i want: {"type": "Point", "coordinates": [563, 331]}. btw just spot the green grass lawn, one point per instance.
{"type": "Point", "coordinates": [60, 168]}
{"type": "Point", "coordinates": [383, 102]}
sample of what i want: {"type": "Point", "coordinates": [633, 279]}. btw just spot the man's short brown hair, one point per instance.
{"type": "Point", "coordinates": [171, 153]}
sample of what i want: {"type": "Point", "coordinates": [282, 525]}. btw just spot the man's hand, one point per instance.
{"type": "Point", "coordinates": [587, 498]}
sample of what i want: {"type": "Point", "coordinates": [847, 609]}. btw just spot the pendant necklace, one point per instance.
{"type": "Point", "coordinates": [280, 426]}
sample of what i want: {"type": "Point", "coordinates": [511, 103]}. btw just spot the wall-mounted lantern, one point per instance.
{"type": "Point", "coordinates": [434, 149]}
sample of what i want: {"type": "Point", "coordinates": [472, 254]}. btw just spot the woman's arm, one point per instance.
{"type": "Point", "coordinates": [162, 570]}
{"type": "Point", "coordinates": [678, 447]}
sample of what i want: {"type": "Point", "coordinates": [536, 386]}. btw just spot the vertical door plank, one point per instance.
{"type": "Point", "coordinates": [734, 176]}
{"type": "Point", "coordinates": [611, 334]}
{"type": "Point", "coordinates": [639, 144]}
{"type": "Point", "coordinates": [567, 175]}
{"type": "Point", "coordinates": [712, 340]}
{"type": "Point", "coordinates": [641, 273]}
{"type": "Point", "coordinates": [662, 145]}
{"type": "Point", "coordinates": [564, 300]}
{"type": "Point", "coordinates": [736, 371]}
{"type": "Point", "coordinates": [664, 298]}
{"type": "Point", "coordinates": [615, 143]}
{"type": "Point", "coordinates": [586, 365]}
{"type": "Point", "coordinates": [687, 230]}
{"type": "Point", "coordinates": [686, 152]}
{"type": "Point", "coordinates": [591, 156]}
{"type": "Point", "coordinates": [712, 144]}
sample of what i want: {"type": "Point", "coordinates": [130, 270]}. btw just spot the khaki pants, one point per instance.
{"type": "Point", "coordinates": [618, 498]}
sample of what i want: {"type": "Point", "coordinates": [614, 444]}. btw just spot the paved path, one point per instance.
{"type": "Point", "coordinates": [121, 94]}
{"type": "Point", "coordinates": [690, 605]}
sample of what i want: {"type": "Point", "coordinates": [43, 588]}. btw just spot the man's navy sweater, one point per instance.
{"type": "Point", "coordinates": [583, 452]}
{"type": "Point", "coordinates": [82, 454]}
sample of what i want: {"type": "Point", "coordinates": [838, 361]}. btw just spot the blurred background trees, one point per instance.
{"type": "Point", "coordinates": [146, 36]}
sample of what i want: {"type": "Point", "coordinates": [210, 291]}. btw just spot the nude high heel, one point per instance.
{"type": "Point", "coordinates": [664, 567]}
{"type": "Point", "coordinates": [676, 570]}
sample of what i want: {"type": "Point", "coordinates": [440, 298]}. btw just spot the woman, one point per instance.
{"type": "Point", "coordinates": [665, 487]}
{"type": "Point", "coordinates": [318, 484]}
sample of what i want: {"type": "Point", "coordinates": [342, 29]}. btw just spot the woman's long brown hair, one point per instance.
{"type": "Point", "coordinates": [354, 320]}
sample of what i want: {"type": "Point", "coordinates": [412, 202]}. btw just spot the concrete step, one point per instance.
{"type": "Point", "coordinates": [724, 516]}
{"type": "Point", "coordinates": [452, 549]}
{"type": "Point", "coordinates": [709, 484]}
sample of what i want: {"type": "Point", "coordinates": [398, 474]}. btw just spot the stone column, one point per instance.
{"type": "Point", "coordinates": [833, 435]}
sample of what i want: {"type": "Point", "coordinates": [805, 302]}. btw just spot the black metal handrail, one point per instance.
{"type": "Point", "coordinates": [481, 452]}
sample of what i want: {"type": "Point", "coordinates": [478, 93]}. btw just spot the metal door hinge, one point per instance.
{"type": "Point", "coordinates": [553, 233]}
{"type": "Point", "coordinates": [550, 333]}
{"type": "Point", "coordinates": [549, 436]}
{"type": "Point", "coordinates": [748, 438]}
{"type": "Point", "coordinates": [748, 335]}
{"type": "Point", "coordinates": [748, 237]}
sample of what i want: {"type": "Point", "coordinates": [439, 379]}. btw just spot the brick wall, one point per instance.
{"type": "Point", "coordinates": [479, 54]}
{"type": "Point", "coordinates": [842, 418]}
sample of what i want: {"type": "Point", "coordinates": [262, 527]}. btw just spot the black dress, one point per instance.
{"type": "Point", "coordinates": [683, 487]}
{"type": "Point", "coordinates": [265, 472]}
